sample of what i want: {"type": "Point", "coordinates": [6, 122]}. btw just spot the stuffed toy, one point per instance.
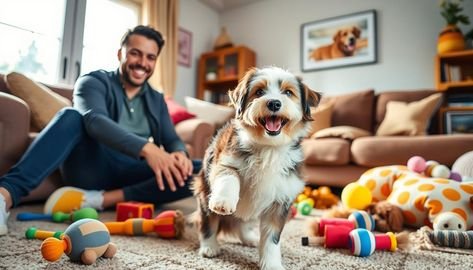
{"type": "Point", "coordinates": [436, 202]}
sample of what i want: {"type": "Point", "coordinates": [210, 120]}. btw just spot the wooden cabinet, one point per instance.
{"type": "Point", "coordinates": [219, 71]}
{"type": "Point", "coordinates": [454, 77]}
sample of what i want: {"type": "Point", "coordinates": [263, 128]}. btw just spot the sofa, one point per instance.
{"type": "Point", "coordinates": [337, 159]}
{"type": "Point", "coordinates": [17, 131]}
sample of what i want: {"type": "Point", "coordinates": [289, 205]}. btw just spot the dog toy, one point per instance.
{"type": "Point", "coordinates": [356, 196]}
{"type": "Point", "coordinates": [168, 224]}
{"type": "Point", "coordinates": [431, 168]}
{"type": "Point", "coordinates": [83, 241]}
{"type": "Point", "coordinates": [446, 238]}
{"type": "Point", "coordinates": [34, 233]}
{"type": "Point", "coordinates": [321, 198]}
{"type": "Point", "coordinates": [361, 242]}
{"type": "Point", "coordinates": [126, 210]}
{"type": "Point", "coordinates": [58, 217]}
{"type": "Point", "coordinates": [357, 219]}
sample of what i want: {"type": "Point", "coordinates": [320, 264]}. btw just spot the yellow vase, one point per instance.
{"type": "Point", "coordinates": [450, 39]}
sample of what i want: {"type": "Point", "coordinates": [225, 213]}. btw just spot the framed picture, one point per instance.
{"type": "Point", "coordinates": [459, 122]}
{"type": "Point", "coordinates": [184, 49]}
{"type": "Point", "coordinates": [340, 41]}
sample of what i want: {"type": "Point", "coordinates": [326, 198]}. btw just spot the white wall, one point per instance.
{"type": "Point", "coordinates": [407, 36]}
{"type": "Point", "coordinates": [204, 24]}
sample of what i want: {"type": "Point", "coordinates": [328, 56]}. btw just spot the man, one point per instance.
{"type": "Point", "coordinates": [117, 143]}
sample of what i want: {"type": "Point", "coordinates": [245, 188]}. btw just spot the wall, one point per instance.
{"type": "Point", "coordinates": [407, 35]}
{"type": "Point", "coordinates": [204, 24]}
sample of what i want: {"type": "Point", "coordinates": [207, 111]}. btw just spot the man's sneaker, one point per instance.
{"type": "Point", "coordinates": [3, 217]}
{"type": "Point", "coordinates": [68, 199]}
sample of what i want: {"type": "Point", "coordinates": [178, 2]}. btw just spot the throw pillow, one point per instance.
{"type": "Point", "coordinates": [322, 116]}
{"type": "Point", "coordinates": [344, 132]}
{"type": "Point", "coordinates": [177, 112]}
{"type": "Point", "coordinates": [408, 118]}
{"type": "Point", "coordinates": [44, 103]}
{"type": "Point", "coordinates": [216, 114]}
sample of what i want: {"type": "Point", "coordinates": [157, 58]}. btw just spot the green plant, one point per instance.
{"type": "Point", "coordinates": [450, 11]}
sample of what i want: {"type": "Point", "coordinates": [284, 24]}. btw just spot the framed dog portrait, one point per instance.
{"type": "Point", "coordinates": [184, 47]}
{"type": "Point", "coordinates": [340, 41]}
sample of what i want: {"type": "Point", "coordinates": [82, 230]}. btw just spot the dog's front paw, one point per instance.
{"type": "Point", "coordinates": [222, 205]}
{"type": "Point", "coordinates": [272, 267]}
{"type": "Point", "coordinates": [209, 252]}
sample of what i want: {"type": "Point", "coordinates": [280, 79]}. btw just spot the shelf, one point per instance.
{"type": "Point", "coordinates": [458, 85]}
{"type": "Point", "coordinates": [221, 81]}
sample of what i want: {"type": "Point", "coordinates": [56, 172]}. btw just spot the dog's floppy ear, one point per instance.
{"type": "Point", "coordinates": [238, 96]}
{"type": "Point", "coordinates": [309, 98]}
{"type": "Point", "coordinates": [356, 31]}
{"type": "Point", "coordinates": [337, 35]}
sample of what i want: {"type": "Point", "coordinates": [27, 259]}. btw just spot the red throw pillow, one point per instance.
{"type": "Point", "coordinates": [177, 112]}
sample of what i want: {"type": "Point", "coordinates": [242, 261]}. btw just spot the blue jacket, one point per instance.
{"type": "Point", "coordinates": [99, 97]}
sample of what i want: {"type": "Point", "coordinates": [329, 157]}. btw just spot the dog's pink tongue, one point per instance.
{"type": "Point", "coordinates": [273, 123]}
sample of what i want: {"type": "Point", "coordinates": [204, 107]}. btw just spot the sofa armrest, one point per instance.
{"type": "Point", "coordinates": [197, 133]}
{"type": "Point", "coordinates": [14, 128]}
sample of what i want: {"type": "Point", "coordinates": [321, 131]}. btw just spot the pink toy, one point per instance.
{"type": "Point", "coordinates": [127, 210]}
{"type": "Point", "coordinates": [358, 219]}
{"type": "Point", "coordinates": [416, 164]}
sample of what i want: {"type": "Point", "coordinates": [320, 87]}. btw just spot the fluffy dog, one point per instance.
{"type": "Point", "coordinates": [251, 169]}
{"type": "Point", "coordinates": [343, 45]}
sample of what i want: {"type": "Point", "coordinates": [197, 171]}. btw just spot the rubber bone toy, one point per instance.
{"type": "Point", "coordinates": [168, 224]}
{"type": "Point", "coordinates": [83, 241]}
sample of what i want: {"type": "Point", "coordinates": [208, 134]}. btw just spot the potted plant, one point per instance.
{"type": "Point", "coordinates": [451, 37]}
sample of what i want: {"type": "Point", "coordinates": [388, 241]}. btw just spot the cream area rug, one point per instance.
{"type": "Point", "coordinates": [150, 252]}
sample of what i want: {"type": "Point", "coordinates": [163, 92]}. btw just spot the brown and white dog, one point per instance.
{"type": "Point", "coordinates": [344, 44]}
{"type": "Point", "coordinates": [251, 169]}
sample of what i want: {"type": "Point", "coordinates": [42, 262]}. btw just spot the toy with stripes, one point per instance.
{"type": "Point", "coordinates": [357, 219]}
{"type": "Point", "coordinates": [448, 238]}
{"type": "Point", "coordinates": [168, 224]}
{"type": "Point", "coordinates": [34, 233]}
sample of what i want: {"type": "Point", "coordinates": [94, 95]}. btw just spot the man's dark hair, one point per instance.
{"type": "Point", "coordinates": [146, 31]}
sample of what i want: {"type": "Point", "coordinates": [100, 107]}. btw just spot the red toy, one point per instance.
{"type": "Point", "coordinates": [168, 224]}
{"type": "Point", "coordinates": [126, 210]}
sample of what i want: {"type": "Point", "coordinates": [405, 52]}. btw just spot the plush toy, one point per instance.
{"type": "Point", "coordinates": [421, 199]}
{"type": "Point", "coordinates": [83, 241]}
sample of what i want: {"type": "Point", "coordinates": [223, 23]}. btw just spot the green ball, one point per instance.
{"type": "Point", "coordinates": [304, 208]}
{"type": "Point", "coordinates": [30, 233]}
{"type": "Point", "coordinates": [86, 212]}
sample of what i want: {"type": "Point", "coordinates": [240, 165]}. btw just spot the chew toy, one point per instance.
{"type": "Point", "coordinates": [83, 241]}
{"type": "Point", "coordinates": [358, 219]}
{"type": "Point", "coordinates": [168, 224]}
{"type": "Point", "coordinates": [448, 238]}
{"type": "Point", "coordinates": [60, 216]}
{"type": "Point", "coordinates": [34, 233]}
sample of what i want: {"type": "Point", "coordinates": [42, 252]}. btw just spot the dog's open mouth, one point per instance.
{"type": "Point", "coordinates": [273, 124]}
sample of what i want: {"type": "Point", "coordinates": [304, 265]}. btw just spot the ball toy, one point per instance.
{"type": "Point", "coordinates": [440, 171]}
{"type": "Point", "coordinates": [361, 242]}
{"type": "Point", "coordinates": [304, 208]}
{"type": "Point", "coordinates": [356, 196]}
{"type": "Point", "coordinates": [429, 165]}
{"type": "Point", "coordinates": [83, 241]}
{"type": "Point", "coordinates": [449, 221]}
{"type": "Point", "coordinates": [310, 201]}
{"type": "Point", "coordinates": [361, 219]}
{"type": "Point", "coordinates": [455, 176]}
{"type": "Point", "coordinates": [416, 164]}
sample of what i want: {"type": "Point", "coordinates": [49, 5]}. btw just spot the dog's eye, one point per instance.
{"type": "Point", "coordinates": [288, 93]}
{"type": "Point", "coordinates": [259, 92]}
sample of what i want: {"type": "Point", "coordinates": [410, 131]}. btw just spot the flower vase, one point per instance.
{"type": "Point", "coordinates": [450, 39]}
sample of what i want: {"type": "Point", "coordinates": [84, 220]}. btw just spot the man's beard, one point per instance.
{"type": "Point", "coordinates": [127, 79]}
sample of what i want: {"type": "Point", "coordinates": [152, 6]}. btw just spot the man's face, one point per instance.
{"type": "Point", "coordinates": [137, 60]}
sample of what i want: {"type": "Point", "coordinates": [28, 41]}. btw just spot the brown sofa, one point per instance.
{"type": "Point", "coordinates": [16, 135]}
{"type": "Point", "coordinates": [336, 161]}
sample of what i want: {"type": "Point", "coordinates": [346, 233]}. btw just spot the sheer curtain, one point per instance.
{"type": "Point", "coordinates": [163, 15]}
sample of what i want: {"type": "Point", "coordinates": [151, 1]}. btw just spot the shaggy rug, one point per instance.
{"type": "Point", "coordinates": [150, 252]}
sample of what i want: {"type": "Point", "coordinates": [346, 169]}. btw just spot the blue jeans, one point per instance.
{"type": "Point", "coordinates": [87, 164]}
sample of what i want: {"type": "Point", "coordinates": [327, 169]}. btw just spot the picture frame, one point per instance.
{"type": "Point", "coordinates": [339, 41]}
{"type": "Point", "coordinates": [184, 49]}
{"type": "Point", "coordinates": [459, 122]}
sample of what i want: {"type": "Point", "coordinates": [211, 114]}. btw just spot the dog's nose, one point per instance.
{"type": "Point", "coordinates": [352, 41]}
{"type": "Point", "coordinates": [274, 105]}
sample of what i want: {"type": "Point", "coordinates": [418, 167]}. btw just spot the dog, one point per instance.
{"type": "Point", "coordinates": [251, 170]}
{"type": "Point", "coordinates": [343, 45]}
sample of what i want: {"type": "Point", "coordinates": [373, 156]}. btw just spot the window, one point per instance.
{"type": "Point", "coordinates": [55, 41]}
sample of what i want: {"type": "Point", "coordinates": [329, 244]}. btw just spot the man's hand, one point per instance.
{"type": "Point", "coordinates": [184, 164]}
{"type": "Point", "coordinates": [165, 164]}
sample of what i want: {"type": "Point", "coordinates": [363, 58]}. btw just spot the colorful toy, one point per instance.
{"type": "Point", "coordinates": [320, 198]}
{"type": "Point", "coordinates": [34, 233]}
{"type": "Point", "coordinates": [431, 168]}
{"type": "Point", "coordinates": [361, 242]}
{"type": "Point", "coordinates": [358, 219]}
{"type": "Point", "coordinates": [304, 208]}
{"type": "Point", "coordinates": [86, 212]}
{"type": "Point", "coordinates": [356, 196]}
{"type": "Point", "coordinates": [83, 241]}
{"type": "Point", "coordinates": [421, 199]}
{"type": "Point", "coordinates": [126, 210]}
{"type": "Point", "coordinates": [447, 238]}
{"type": "Point", "coordinates": [168, 224]}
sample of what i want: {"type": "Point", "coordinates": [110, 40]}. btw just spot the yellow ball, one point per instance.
{"type": "Point", "coordinates": [356, 196]}
{"type": "Point", "coordinates": [301, 197]}
{"type": "Point", "coordinates": [310, 201]}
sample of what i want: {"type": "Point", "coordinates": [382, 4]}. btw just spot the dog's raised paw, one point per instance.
{"type": "Point", "coordinates": [222, 205]}
{"type": "Point", "coordinates": [209, 252]}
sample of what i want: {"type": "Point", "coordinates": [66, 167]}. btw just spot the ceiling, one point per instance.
{"type": "Point", "coordinates": [225, 5]}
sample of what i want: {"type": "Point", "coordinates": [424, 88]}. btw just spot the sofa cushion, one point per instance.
{"type": "Point", "coordinates": [383, 98]}
{"type": "Point", "coordinates": [322, 116]}
{"type": "Point", "coordinates": [43, 102]}
{"type": "Point", "coordinates": [408, 118]}
{"type": "Point", "coordinates": [396, 150]}
{"type": "Point", "coordinates": [177, 112]}
{"type": "Point", "coordinates": [344, 132]}
{"type": "Point", "coordinates": [216, 114]}
{"type": "Point", "coordinates": [328, 151]}
{"type": "Point", "coordinates": [354, 109]}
